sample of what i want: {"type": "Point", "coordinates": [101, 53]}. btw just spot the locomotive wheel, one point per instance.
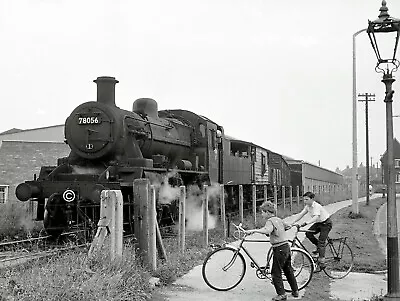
{"type": "Point", "coordinates": [54, 218]}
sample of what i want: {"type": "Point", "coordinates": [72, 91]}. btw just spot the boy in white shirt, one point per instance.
{"type": "Point", "coordinates": [322, 224]}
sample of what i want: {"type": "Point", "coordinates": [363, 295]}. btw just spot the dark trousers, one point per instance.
{"type": "Point", "coordinates": [323, 229]}
{"type": "Point", "coordinates": [282, 262]}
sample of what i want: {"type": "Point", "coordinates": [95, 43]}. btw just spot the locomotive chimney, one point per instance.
{"type": "Point", "coordinates": [106, 89]}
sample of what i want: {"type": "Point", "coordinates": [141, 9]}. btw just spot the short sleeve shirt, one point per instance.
{"type": "Point", "coordinates": [317, 210]}
{"type": "Point", "coordinates": [278, 234]}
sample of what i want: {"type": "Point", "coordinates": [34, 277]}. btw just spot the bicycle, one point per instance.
{"type": "Point", "coordinates": [339, 258]}
{"type": "Point", "coordinates": [224, 267]}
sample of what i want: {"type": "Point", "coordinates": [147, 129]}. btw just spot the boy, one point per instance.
{"type": "Point", "coordinates": [275, 228]}
{"type": "Point", "coordinates": [322, 224]}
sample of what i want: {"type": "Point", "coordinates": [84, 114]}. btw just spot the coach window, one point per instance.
{"type": "Point", "coordinates": [397, 178]}
{"type": "Point", "coordinates": [3, 193]}
{"type": "Point", "coordinates": [396, 162]}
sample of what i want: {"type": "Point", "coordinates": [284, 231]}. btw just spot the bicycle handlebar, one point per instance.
{"type": "Point", "coordinates": [304, 230]}
{"type": "Point", "coordinates": [243, 231]}
{"type": "Point", "coordinates": [239, 227]}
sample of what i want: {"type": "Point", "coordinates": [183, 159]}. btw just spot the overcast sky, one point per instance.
{"type": "Point", "coordinates": [276, 73]}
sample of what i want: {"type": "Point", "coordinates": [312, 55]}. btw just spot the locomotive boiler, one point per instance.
{"type": "Point", "coordinates": [111, 147]}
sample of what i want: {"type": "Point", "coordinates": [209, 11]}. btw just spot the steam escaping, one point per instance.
{"type": "Point", "coordinates": [194, 207]}
{"type": "Point", "coordinates": [168, 188]}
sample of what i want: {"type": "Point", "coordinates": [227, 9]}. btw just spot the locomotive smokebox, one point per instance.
{"type": "Point", "coordinates": [106, 89]}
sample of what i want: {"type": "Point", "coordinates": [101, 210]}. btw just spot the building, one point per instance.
{"type": "Point", "coordinates": [314, 178]}
{"type": "Point", "coordinates": [384, 164]}
{"type": "Point", "coordinates": [24, 152]}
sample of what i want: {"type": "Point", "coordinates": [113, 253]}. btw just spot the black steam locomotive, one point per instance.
{"type": "Point", "coordinates": [111, 147]}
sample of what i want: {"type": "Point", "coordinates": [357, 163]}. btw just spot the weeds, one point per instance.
{"type": "Point", "coordinates": [16, 221]}
{"type": "Point", "coordinates": [67, 277]}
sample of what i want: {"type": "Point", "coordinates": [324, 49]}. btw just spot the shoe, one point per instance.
{"type": "Point", "coordinates": [317, 269]}
{"type": "Point", "coordinates": [279, 297]}
{"type": "Point", "coordinates": [321, 263]}
{"type": "Point", "coordinates": [295, 294]}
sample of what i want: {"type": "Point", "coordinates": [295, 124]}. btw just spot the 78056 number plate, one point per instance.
{"type": "Point", "coordinates": [89, 120]}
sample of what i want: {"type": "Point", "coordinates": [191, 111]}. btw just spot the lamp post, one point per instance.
{"type": "Point", "coordinates": [354, 180]}
{"type": "Point", "coordinates": [385, 26]}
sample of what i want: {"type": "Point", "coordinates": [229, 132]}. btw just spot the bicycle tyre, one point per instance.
{"type": "Point", "coordinates": [338, 267]}
{"type": "Point", "coordinates": [214, 265]}
{"type": "Point", "coordinates": [303, 269]}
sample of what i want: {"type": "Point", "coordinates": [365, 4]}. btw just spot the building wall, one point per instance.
{"type": "Point", "coordinates": [20, 160]}
{"type": "Point", "coordinates": [316, 173]}
{"type": "Point", "coordinates": [396, 157]}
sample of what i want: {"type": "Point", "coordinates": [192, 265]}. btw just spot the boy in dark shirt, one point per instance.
{"type": "Point", "coordinates": [275, 228]}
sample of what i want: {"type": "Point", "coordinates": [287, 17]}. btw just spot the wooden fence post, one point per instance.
{"type": "Point", "coordinates": [205, 215]}
{"type": "Point", "coordinates": [265, 193]}
{"type": "Point", "coordinates": [144, 223]}
{"type": "Point", "coordinates": [254, 190]}
{"type": "Point", "coordinates": [276, 198]}
{"type": "Point", "coordinates": [182, 217]}
{"type": "Point", "coordinates": [152, 219]}
{"type": "Point", "coordinates": [241, 203]}
{"type": "Point", "coordinates": [223, 216]}
{"type": "Point", "coordinates": [298, 195]}
{"type": "Point", "coordinates": [117, 224]}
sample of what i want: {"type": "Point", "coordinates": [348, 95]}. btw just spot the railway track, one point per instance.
{"type": "Point", "coordinates": [20, 251]}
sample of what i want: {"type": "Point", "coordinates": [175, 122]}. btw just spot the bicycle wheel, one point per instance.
{"type": "Point", "coordinates": [223, 269]}
{"type": "Point", "coordinates": [339, 259]}
{"type": "Point", "coordinates": [303, 269]}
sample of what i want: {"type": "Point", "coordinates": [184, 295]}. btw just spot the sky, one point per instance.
{"type": "Point", "coordinates": [276, 73]}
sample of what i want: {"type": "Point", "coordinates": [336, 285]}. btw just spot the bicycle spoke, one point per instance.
{"type": "Point", "coordinates": [338, 259]}
{"type": "Point", "coordinates": [223, 270]}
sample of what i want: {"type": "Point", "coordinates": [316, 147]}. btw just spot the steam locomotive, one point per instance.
{"type": "Point", "coordinates": [111, 147]}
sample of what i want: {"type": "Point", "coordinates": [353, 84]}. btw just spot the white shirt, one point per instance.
{"type": "Point", "coordinates": [317, 210]}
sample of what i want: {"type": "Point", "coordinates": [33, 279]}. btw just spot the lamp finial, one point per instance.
{"type": "Point", "coordinates": [383, 11]}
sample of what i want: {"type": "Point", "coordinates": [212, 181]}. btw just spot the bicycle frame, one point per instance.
{"type": "Point", "coordinates": [247, 252]}
{"type": "Point", "coordinates": [296, 242]}
{"type": "Point", "coordinates": [339, 252]}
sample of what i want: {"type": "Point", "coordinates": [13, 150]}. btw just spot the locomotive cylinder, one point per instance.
{"type": "Point", "coordinates": [106, 89]}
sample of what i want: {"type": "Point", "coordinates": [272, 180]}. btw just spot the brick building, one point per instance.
{"type": "Point", "coordinates": [23, 152]}
{"type": "Point", "coordinates": [396, 156]}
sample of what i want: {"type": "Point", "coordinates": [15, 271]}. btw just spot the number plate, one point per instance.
{"type": "Point", "coordinates": [89, 120]}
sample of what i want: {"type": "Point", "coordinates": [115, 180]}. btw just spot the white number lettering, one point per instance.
{"type": "Point", "coordinates": [88, 120]}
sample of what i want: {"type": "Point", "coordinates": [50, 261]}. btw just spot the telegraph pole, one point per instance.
{"type": "Point", "coordinates": [367, 97]}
